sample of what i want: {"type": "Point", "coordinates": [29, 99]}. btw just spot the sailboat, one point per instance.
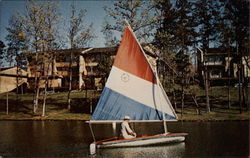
{"type": "Point", "coordinates": [133, 89]}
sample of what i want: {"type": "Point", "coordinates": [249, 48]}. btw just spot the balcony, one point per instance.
{"type": "Point", "coordinates": [216, 63]}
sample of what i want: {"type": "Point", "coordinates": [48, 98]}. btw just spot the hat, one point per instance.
{"type": "Point", "coordinates": [126, 118]}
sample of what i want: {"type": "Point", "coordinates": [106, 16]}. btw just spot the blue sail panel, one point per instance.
{"type": "Point", "coordinates": [114, 106]}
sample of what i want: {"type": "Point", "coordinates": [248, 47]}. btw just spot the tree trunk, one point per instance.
{"type": "Point", "coordinates": [206, 87]}
{"type": "Point", "coordinates": [45, 88]}
{"type": "Point", "coordinates": [36, 94]}
{"type": "Point", "coordinates": [239, 76]}
{"type": "Point", "coordinates": [45, 96]}
{"type": "Point", "coordinates": [182, 100]}
{"type": "Point", "coordinates": [182, 95]}
{"type": "Point", "coordinates": [70, 80]}
{"type": "Point", "coordinates": [239, 87]}
{"type": "Point", "coordinates": [7, 103]}
{"type": "Point", "coordinates": [174, 98]}
{"type": "Point", "coordinates": [198, 112]}
{"type": "Point", "coordinates": [242, 84]}
{"type": "Point", "coordinates": [17, 82]}
{"type": "Point", "coordinates": [206, 91]}
{"type": "Point", "coordinates": [228, 85]}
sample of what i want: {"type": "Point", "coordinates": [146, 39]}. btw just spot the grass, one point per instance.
{"type": "Point", "coordinates": [218, 99]}
{"type": "Point", "coordinates": [56, 106]}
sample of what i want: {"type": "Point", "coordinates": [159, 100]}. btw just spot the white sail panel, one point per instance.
{"type": "Point", "coordinates": [138, 89]}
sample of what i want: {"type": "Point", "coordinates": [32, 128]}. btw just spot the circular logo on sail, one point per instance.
{"type": "Point", "coordinates": [125, 77]}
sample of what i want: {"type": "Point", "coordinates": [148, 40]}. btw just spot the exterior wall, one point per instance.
{"type": "Point", "coordinates": [86, 74]}
{"type": "Point", "coordinates": [246, 64]}
{"type": "Point", "coordinates": [220, 66]}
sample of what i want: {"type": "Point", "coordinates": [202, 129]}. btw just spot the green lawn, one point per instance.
{"type": "Point", "coordinates": [56, 107]}
{"type": "Point", "coordinates": [218, 98]}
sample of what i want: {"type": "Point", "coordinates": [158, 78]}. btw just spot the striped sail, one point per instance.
{"type": "Point", "coordinates": [131, 88]}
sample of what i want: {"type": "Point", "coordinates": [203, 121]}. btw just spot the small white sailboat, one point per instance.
{"type": "Point", "coordinates": [133, 88]}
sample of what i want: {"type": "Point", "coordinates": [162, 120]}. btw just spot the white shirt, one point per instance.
{"type": "Point", "coordinates": [125, 130]}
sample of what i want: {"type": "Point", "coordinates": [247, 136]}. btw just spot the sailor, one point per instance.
{"type": "Point", "coordinates": [126, 131]}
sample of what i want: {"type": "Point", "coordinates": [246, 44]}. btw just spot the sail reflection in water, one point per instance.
{"type": "Point", "coordinates": [165, 151]}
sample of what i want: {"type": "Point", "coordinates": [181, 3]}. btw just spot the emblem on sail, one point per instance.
{"type": "Point", "coordinates": [125, 77]}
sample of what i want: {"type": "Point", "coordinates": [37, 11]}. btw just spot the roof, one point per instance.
{"type": "Point", "coordinates": [8, 80]}
{"type": "Point", "coordinates": [106, 50]}
{"type": "Point", "coordinates": [222, 51]}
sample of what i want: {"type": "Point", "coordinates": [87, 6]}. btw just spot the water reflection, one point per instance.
{"type": "Point", "coordinates": [72, 139]}
{"type": "Point", "coordinates": [165, 151]}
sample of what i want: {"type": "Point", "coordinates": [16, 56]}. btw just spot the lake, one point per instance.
{"type": "Point", "coordinates": [72, 139]}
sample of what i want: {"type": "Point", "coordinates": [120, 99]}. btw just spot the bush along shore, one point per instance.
{"type": "Point", "coordinates": [20, 107]}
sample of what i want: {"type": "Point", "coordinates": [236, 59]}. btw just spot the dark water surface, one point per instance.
{"type": "Point", "coordinates": [72, 139]}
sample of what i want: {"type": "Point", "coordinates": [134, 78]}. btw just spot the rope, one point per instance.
{"type": "Point", "coordinates": [92, 133]}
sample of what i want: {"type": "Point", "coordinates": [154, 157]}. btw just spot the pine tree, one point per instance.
{"type": "Point", "coordinates": [2, 53]}
{"type": "Point", "coordinates": [206, 14]}
{"type": "Point", "coordinates": [165, 42]}
{"type": "Point", "coordinates": [17, 48]}
{"type": "Point", "coordinates": [237, 15]}
{"type": "Point", "coordinates": [184, 38]}
{"type": "Point", "coordinates": [139, 14]}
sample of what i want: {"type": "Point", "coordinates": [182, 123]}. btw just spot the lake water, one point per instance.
{"type": "Point", "coordinates": [72, 139]}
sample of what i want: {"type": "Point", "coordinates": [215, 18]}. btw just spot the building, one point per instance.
{"type": "Point", "coordinates": [90, 67]}
{"type": "Point", "coordinates": [221, 66]}
{"type": "Point", "coordinates": [9, 79]}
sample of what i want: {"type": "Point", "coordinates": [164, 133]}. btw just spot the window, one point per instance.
{"type": "Point", "coordinates": [215, 73]}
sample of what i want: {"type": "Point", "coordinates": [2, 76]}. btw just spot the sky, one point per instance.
{"type": "Point", "coordinates": [95, 14]}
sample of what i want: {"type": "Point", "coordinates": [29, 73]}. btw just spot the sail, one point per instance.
{"type": "Point", "coordinates": [131, 88]}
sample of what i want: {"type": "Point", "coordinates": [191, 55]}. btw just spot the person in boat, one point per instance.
{"type": "Point", "coordinates": [126, 131]}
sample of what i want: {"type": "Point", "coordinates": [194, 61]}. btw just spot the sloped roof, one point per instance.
{"type": "Point", "coordinates": [107, 50]}
{"type": "Point", "coordinates": [8, 79]}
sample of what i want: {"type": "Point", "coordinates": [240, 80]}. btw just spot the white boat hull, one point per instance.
{"type": "Point", "coordinates": [142, 141]}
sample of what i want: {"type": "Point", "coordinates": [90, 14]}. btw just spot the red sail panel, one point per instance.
{"type": "Point", "coordinates": [130, 58]}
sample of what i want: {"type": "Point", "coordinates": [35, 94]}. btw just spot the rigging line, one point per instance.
{"type": "Point", "coordinates": [163, 113]}
{"type": "Point", "coordinates": [92, 133]}
{"type": "Point", "coordinates": [160, 87]}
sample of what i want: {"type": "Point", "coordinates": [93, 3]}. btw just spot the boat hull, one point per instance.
{"type": "Point", "coordinates": [142, 141]}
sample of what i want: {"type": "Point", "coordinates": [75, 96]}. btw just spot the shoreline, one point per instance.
{"type": "Point", "coordinates": [180, 120]}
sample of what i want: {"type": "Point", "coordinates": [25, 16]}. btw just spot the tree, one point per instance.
{"type": "Point", "coordinates": [17, 48]}
{"type": "Point", "coordinates": [175, 33]}
{"type": "Point", "coordinates": [185, 25]}
{"type": "Point", "coordinates": [51, 15]}
{"type": "Point", "coordinates": [17, 42]}
{"type": "Point", "coordinates": [2, 52]}
{"type": "Point", "coordinates": [110, 38]}
{"type": "Point", "coordinates": [234, 33]}
{"type": "Point", "coordinates": [183, 68]}
{"type": "Point", "coordinates": [165, 42]}
{"type": "Point", "coordinates": [139, 14]}
{"type": "Point", "coordinates": [79, 36]}
{"type": "Point", "coordinates": [184, 38]}
{"type": "Point", "coordinates": [33, 23]}
{"type": "Point", "coordinates": [40, 24]}
{"type": "Point", "coordinates": [164, 37]}
{"type": "Point", "coordinates": [104, 67]}
{"type": "Point", "coordinates": [206, 14]}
